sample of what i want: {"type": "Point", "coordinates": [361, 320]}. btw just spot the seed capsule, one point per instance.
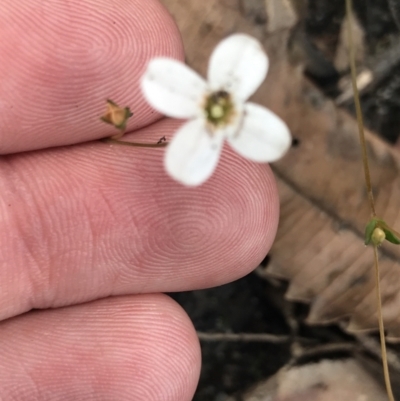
{"type": "Point", "coordinates": [117, 116]}
{"type": "Point", "coordinates": [378, 236]}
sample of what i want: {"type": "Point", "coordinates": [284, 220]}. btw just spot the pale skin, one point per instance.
{"type": "Point", "coordinates": [92, 234]}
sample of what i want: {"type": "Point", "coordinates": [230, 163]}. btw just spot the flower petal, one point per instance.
{"type": "Point", "coordinates": [238, 65]}
{"type": "Point", "coordinates": [193, 154]}
{"type": "Point", "coordinates": [263, 137]}
{"type": "Point", "coordinates": [173, 88]}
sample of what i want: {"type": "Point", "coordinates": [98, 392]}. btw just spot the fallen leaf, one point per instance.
{"type": "Point", "coordinates": [342, 61]}
{"type": "Point", "coordinates": [281, 15]}
{"type": "Point", "coordinates": [323, 381]}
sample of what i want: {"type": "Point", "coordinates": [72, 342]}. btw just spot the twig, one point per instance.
{"type": "Point", "coordinates": [244, 337]}
{"type": "Point", "coordinates": [323, 349]}
{"type": "Point", "coordinates": [378, 70]}
{"type": "Point", "coordinates": [372, 346]}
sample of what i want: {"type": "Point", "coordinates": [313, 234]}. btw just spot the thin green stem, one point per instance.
{"type": "Point", "coordinates": [382, 328]}
{"type": "Point", "coordinates": [135, 144]}
{"type": "Point", "coordinates": [349, 12]}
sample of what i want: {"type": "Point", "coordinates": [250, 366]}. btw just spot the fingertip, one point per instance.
{"type": "Point", "coordinates": [140, 348]}
{"type": "Point", "coordinates": [218, 231]}
{"type": "Point", "coordinates": [109, 220]}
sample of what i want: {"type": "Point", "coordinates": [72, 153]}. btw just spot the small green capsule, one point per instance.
{"type": "Point", "coordinates": [377, 231]}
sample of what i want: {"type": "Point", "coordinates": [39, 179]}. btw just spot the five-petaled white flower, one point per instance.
{"type": "Point", "coordinates": [217, 109]}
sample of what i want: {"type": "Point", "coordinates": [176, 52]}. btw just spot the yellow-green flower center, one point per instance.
{"type": "Point", "coordinates": [219, 108]}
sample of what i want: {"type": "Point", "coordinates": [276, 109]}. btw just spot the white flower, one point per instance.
{"type": "Point", "coordinates": [217, 109]}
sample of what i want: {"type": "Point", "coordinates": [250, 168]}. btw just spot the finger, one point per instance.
{"type": "Point", "coordinates": [60, 61]}
{"type": "Point", "coordinates": [131, 348]}
{"type": "Point", "coordinates": [88, 221]}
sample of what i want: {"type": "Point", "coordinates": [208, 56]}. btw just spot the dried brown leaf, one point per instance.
{"type": "Point", "coordinates": [341, 61]}
{"type": "Point", "coordinates": [323, 381]}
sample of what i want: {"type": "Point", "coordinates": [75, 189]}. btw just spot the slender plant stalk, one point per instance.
{"type": "Point", "coordinates": [382, 328]}
{"type": "Point", "coordinates": [135, 144]}
{"type": "Point", "coordinates": [349, 13]}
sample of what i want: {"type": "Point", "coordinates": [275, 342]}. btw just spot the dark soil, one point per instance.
{"type": "Point", "coordinates": [380, 20]}
{"type": "Point", "coordinates": [239, 307]}
{"type": "Point", "coordinates": [248, 305]}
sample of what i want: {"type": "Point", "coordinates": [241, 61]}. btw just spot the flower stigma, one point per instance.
{"type": "Point", "coordinates": [219, 108]}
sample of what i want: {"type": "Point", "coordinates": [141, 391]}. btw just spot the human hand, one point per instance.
{"type": "Point", "coordinates": [90, 233]}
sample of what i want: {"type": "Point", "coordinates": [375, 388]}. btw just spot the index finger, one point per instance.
{"type": "Point", "coordinates": [61, 60]}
